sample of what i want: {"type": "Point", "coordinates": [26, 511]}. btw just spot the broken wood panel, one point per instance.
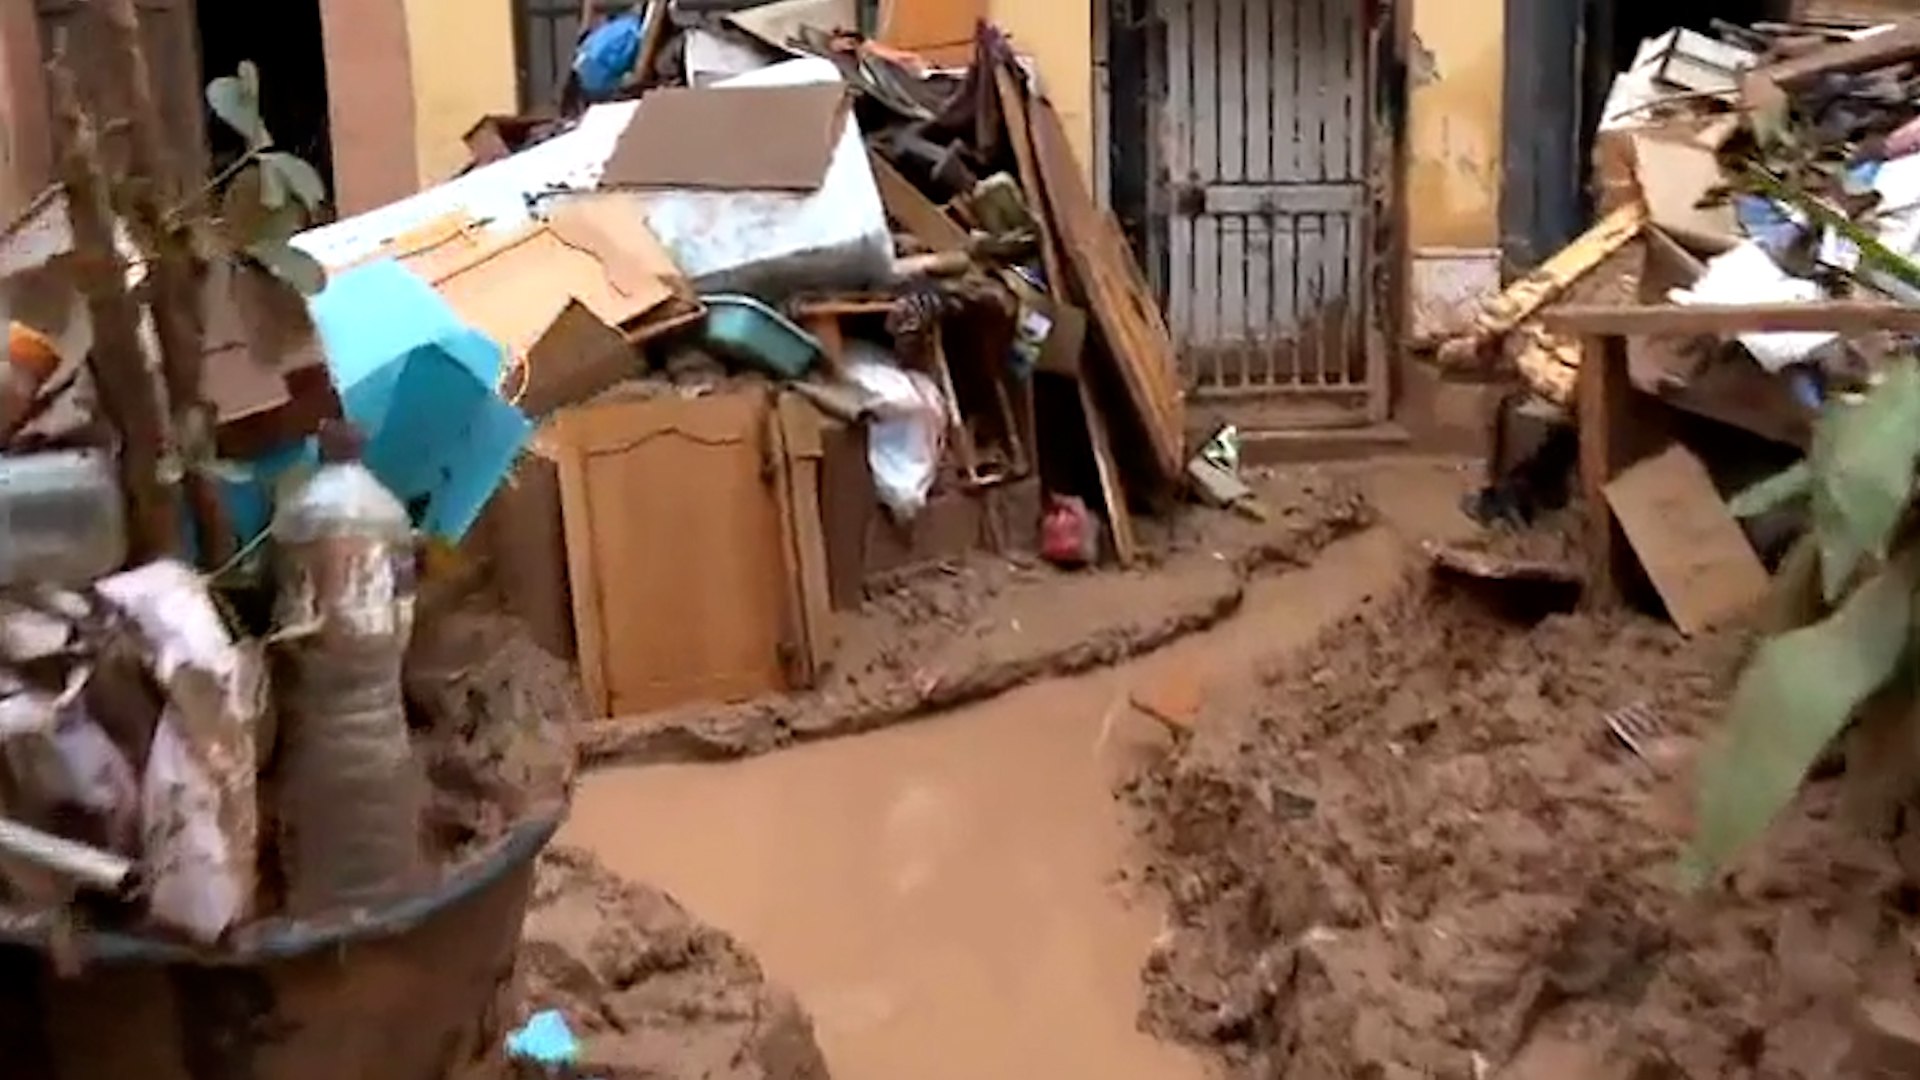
{"type": "Point", "coordinates": [1123, 306]}
{"type": "Point", "coordinates": [1013, 106]}
{"type": "Point", "coordinates": [1692, 548]}
{"type": "Point", "coordinates": [914, 212]}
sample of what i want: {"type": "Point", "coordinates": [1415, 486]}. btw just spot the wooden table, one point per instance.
{"type": "Point", "coordinates": [1604, 404]}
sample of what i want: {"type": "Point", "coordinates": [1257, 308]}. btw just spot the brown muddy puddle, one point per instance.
{"type": "Point", "coordinates": [945, 896]}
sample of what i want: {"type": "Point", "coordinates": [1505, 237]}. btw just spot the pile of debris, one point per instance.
{"type": "Point", "coordinates": [1755, 258]}
{"type": "Point", "coordinates": [889, 291]}
{"type": "Point", "coordinates": [1758, 166]}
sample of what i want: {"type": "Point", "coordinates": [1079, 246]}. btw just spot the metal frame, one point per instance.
{"type": "Point", "coordinates": [1342, 225]}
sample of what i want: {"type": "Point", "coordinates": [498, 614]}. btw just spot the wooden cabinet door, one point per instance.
{"type": "Point", "coordinates": [675, 545]}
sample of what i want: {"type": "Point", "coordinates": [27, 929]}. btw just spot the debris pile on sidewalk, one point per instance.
{"type": "Point", "coordinates": [879, 325]}
{"type": "Point", "coordinates": [1756, 256]}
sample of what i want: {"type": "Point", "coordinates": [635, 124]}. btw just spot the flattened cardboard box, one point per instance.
{"type": "Point", "coordinates": [743, 138]}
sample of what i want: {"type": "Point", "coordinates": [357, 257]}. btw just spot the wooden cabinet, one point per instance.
{"type": "Point", "coordinates": [696, 557]}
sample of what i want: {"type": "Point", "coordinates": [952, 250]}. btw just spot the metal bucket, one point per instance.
{"type": "Point", "coordinates": [412, 991]}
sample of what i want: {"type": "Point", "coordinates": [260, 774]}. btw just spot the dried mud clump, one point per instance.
{"type": "Point", "coordinates": [652, 993]}
{"type": "Point", "coordinates": [1414, 850]}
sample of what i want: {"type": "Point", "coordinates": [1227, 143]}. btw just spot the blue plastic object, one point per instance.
{"type": "Point", "coordinates": [609, 52]}
{"type": "Point", "coordinates": [545, 1040]}
{"type": "Point", "coordinates": [421, 384]}
{"type": "Point", "coordinates": [746, 330]}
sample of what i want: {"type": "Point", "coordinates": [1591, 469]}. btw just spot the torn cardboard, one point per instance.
{"type": "Point", "coordinates": [1678, 179]}
{"type": "Point", "coordinates": [515, 288]}
{"type": "Point", "coordinates": [730, 138]}
{"type": "Point", "coordinates": [1693, 550]}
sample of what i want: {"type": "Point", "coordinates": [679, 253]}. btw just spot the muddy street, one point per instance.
{"type": "Point", "coordinates": [956, 897]}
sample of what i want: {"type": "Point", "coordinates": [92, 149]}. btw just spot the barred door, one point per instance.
{"type": "Point", "coordinates": [1262, 141]}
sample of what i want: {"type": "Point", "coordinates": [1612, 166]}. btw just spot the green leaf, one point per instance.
{"type": "Point", "coordinates": [291, 265]}
{"type": "Point", "coordinates": [235, 99]}
{"type": "Point", "coordinates": [1793, 698]}
{"type": "Point", "coordinates": [291, 174]}
{"type": "Point", "coordinates": [1794, 482]}
{"type": "Point", "coordinates": [1863, 459]}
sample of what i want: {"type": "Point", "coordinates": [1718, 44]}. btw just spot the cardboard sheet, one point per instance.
{"type": "Point", "coordinates": [1689, 543]}
{"type": "Point", "coordinates": [761, 138]}
{"type": "Point", "coordinates": [515, 288]}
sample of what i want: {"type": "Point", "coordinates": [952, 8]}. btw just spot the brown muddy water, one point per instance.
{"type": "Point", "coordinates": [946, 897]}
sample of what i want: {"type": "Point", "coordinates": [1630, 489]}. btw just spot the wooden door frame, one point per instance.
{"type": "Point", "coordinates": [1129, 94]}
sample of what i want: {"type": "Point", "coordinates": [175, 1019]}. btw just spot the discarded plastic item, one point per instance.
{"type": "Point", "coordinates": [1746, 275]}
{"type": "Point", "coordinates": [62, 518]}
{"type": "Point", "coordinates": [1768, 224]}
{"type": "Point", "coordinates": [1069, 533]}
{"type": "Point", "coordinates": [199, 816]}
{"type": "Point", "coordinates": [1223, 449]}
{"type": "Point", "coordinates": [744, 329]}
{"type": "Point", "coordinates": [351, 791]}
{"type": "Point", "coordinates": [100, 871]}
{"type": "Point", "coordinates": [772, 244]}
{"type": "Point", "coordinates": [545, 1040]}
{"type": "Point", "coordinates": [607, 56]}
{"type": "Point", "coordinates": [32, 358]}
{"type": "Point", "coordinates": [421, 384]}
{"type": "Point", "coordinates": [907, 436]}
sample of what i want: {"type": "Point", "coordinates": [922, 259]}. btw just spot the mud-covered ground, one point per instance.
{"type": "Point", "coordinates": [1414, 850]}
{"type": "Point", "coordinates": [651, 992]}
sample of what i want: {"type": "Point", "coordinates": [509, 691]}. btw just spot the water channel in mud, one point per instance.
{"type": "Point", "coordinates": [947, 896]}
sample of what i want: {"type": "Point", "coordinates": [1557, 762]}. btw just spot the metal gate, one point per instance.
{"type": "Point", "coordinates": [1262, 137]}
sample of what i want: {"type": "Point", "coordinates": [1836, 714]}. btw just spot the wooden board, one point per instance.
{"type": "Point", "coordinates": [675, 541]}
{"type": "Point", "coordinates": [1838, 316]}
{"type": "Point", "coordinates": [1134, 332]}
{"type": "Point", "coordinates": [913, 211]}
{"type": "Point", "coordinates": [1013, 106]}
{"type": "Point", "coordinates": [1689, 543]}
{"type": "Point", "coordinates": [801, 448]}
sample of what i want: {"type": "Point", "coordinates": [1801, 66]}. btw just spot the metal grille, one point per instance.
{"type": "Point", "coordinates": [1262, 140]}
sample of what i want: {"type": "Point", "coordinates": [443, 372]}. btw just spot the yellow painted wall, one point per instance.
{"type": "Point", "coordinates": [463, 69]}
{"type": "Point", "coordinates": [1454, 131]}
{"type": "Point", "coordinates": [1058, 34]}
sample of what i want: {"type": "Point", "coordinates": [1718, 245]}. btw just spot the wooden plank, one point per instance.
{"type": "Point", "coordinates": [914, 212]}
{"type": "Point", "coordinates": [1519, 301]}
{"type": "Point", "coordinates": [1896, 45]}
{"type": "Point", "coordinates": [1601, 405]}
{"type": "Point", "coordinates": [583, 569]}
{"type": "Point", "coordinates": [1692, 548]}
{"type": "Point", "coordinates": [802, 451]}
{"type": "Point", "coordinates": [1123, 306]}
{"type": "Point", "coordinates": [1013, 106]}
{"type": "Point", "coordinates": [1840, 316]}
{"type": "Point", "coordinates": [1126, 545]}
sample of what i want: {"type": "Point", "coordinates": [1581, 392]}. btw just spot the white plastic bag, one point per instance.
{"type": "Point", "coordinates": [1747, 275]}
{"type": "Point", "coordinates": [907, 437]}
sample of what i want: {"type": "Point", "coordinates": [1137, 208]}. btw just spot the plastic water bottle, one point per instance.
{"type": "Point", "coordinates": [351, 790]}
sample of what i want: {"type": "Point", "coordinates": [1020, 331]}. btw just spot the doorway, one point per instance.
{"type": "Point", "coordinates": [1262, 222]}
{"type": "Point", "coordinates": [285, 42]}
